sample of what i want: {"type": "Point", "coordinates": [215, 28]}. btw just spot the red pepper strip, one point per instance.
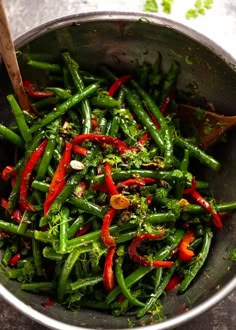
{"type": "Point", "coordinates": [107, 239]}
{"type": "Point", "coordinates": [108, 274]}
{"type": "Point", "coordinates": [33, 92]}
{"type": "Point", "coordinates": [94, 123]}
{"type": "Point", "coordinates": [16, 215]}
{"type": "Point", "coordinates": [8, 172]}
{"type": "Point", "coordinates": [99, 187]}
{"type": "Point", "coordinates": [201, 200]}
{"type": "Point", "coordinates": [166, 103]}
{"type": "Point", "coordinates": [143, 139]}
{"type": "Point", "coordinates": [149, 200]}
{"type": "Point", "coordinates": [173, 282]}
{"type": "Point", "coordinates": [135, 256]}
{"type": "Point", "coordinates": [13, 261]}
{"type": "Point", "coordinates": [120, 298]}
{"type": "Point", "coordinates": [4, 203]}
{"type": "Point", "coordinates": [109, 181]}
{"type": "Point", "coordinates": [155, 122]}
{"type": "Point", "coordinates": [48, 303]}
{"type": "Point", "coordinates": [84, 230]}
{"type": "Point", "coordinates": [137, 182]}
{"type": "Point", "coordinates": [25, 178]}
{"type": "Point", "coordinates": [184, 253]}
{"type": "Point", "coordinates": [59, 178]}
{"type": "Point", "coordinates": [118, 82]}
{"type": "Point", "coordinates": [116, 143]}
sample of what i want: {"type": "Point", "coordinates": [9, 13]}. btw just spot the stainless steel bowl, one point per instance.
{"type": "Point", "coordinates": [120, 39]}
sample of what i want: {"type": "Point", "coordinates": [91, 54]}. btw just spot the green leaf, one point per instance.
{"type": "Point", "coordinates": [166, 6]}
{"type": "Point", "coordinates": [151, 6]}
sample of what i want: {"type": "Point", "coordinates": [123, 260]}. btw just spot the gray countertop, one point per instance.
{"type": "Point", "coordinates": [219, 24]}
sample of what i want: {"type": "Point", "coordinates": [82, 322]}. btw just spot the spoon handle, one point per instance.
{"type": "Point", "coordinates": [7, 51]}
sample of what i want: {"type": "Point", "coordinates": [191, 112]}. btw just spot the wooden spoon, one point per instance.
{"type": "Point", "coordinates": [8, 54]}
{"type": "Point", "coordinates": [210, 126]}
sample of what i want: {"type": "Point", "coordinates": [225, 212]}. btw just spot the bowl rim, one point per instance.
{"type": "Point", "coordinates": [132, 17]}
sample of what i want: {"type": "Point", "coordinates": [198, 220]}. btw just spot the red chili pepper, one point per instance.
{"type": "Point", "coordinates": [108, 274]}
{"type": "Point", "coordinates": [25, 178]}
{"type": "Point", "coordinates": [4, 203]}
{"type": "Point", "coordinates": [59, 178]}
{"type": "Point", "coordinates": [137, 182]}
{"type": "Point", "coordinates": [184, 253]}
{"type": "Point", "coordinates": [16, 215]}
{"type": "Point", "coordinates": [107, 239]}
{"type": "Point", "coordinates": [8, 172]}
{"type": "Point", "coordinates": [154, 120]}
{"type": "Point", "coordinates": [33, 92]}
{"type": "Point", "coordinates": [149, 200]}
{"type": "Point", "coordinates": [13, 261]}
{"type": "Point", "coordinates": [48, 303]}
{"type": "Point", "coordinates": [173, 282]}
{"type": "Point", "coordinates": [135, 256]}
{"type": "Point", "coordinates": [202, 201]}
{"type": "Point", "coordinates": [99, 187]}
{"type": "Point", "coordinates": [80, 189]}
{"type": "Point", "coordinates": [116, 143]}
{"type": "Point", "coordinates": [118, 82]}
{"type": "Point", "coordinates": [166, 103]}
{"type": "Point", "coordinates": [84, 230]}
{"type": "Point", "coordinates": [120, 298]}
{"type": "Point", "coordinates": [109, 181]}
{"type": "Point", "coordinates": [144, 138]}
{"type": "Point", "coordinates": [94, 123]}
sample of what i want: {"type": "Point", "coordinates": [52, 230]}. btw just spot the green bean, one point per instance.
{"type": "Point", "coordinates": [223, 207]}
{"type": "Point", "coordinates": [170, 81]}
{"type": "Point", "coordinates": [121, 96]}
{"type": "Point", "coordinates": [45, 102]}
{"type": "Point", "coordinates": [180, 184]}
{"type": "Point", "coordinates": [48, 153]}
{"type": "Point", "coordinates": [38, 287]}
{"type": "Point", "coordinates": [37, 255]}
{"type": "Point", "coordinates": [59, 92]}
{"type": "Point", "coordinates": [49, 67]}
{"type": "Point", "coordinates": [103, 125]}
{"type": "Point", "coordinates": [105, 101]}
{"type": "Point", "coordinates": [26, 219]}
{"type": "Point", "coordinates": [121, 281]}
{"type": "Point", "coordinates": [198, 153]}
{"type": "Point", "coordinates": [81, 283]}
{"type": "Point", "coordinates": [86, 206]}
{"type": "Point", "coordinates": [66, 270]}
{"type": "Point", "coordinates": [74, 71]}
{"type": "Point", "coordinates": [6, 256]}
{"type": "Point", "coordinates": [202, 185]}
{"type": "Point", "coordinates": [114, 126]}
{"type": "Point", "coordinates": [123, 175]}
{"type": "Point", "coordinates": [11, 136]}
{"type": "Point", "coordinates": [195, 244]}
{"type": "Point", "coordinates": [158, 291]}
{"type": "Point", "coordinates": [43, 236]}
{"type": "Point", "coordinates": [62, 108]}
{"type": "Point", "coordinates": [122, 238]}
{"type": "Point", "coordinates": [51, 254]}
{"type": "Point", "coordinates": [14, 229]}
{"type": "Point", "coordinates": [20, 119]}
{"type": "Point", "coordinates": [136, 105]}
{"type": "Point", "coordinates": [40, 186]}
{"type": "Point", "coordinates": [199, 262]}
{"type": "Point", "coordinates": [156, 218]}
{"type": "Point", "coordinates": [76, 225]}
{"type": "Point", "coordinates": [14, 273]}
{"type": "Point", "coordinates": [63, 229]}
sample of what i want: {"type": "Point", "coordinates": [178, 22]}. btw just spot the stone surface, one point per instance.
{"type": "Point", "coordinates": [219, 24]}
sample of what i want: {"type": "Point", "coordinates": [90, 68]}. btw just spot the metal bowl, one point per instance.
{"type": "Point", "coordinates": [120, 39]}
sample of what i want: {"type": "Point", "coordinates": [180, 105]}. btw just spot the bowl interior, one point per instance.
{"type": "Point", "coordinates": [120, 42]}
